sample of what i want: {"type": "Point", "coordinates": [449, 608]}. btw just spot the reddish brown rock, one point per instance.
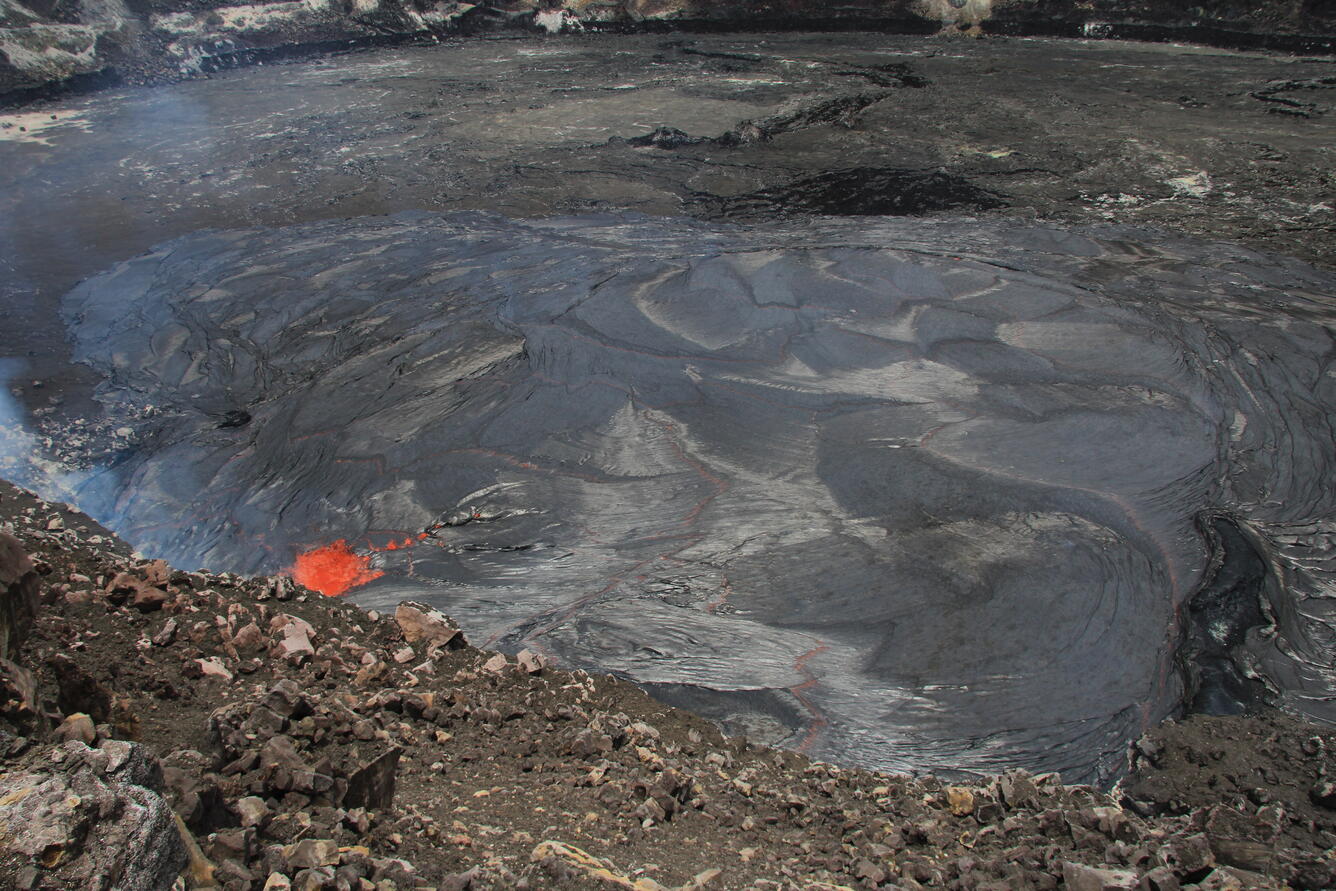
{"type": "Point", "coordinates": [157, 573]}
{"type": "Point", "coordinates": [420, 623]}
{"type": "Point", "coordinates": [18, 595]}
{"type": "Point", "coordinates": [250, 639]}
{"type": "Point", "coordinates": [295, 647]}
{"type": "Point", "coordinates": [148, 599]}
{"type": "Point", "coordinates": [18, 695]}
{"type": "Point", "coordinates": [529, 662]}
{"type": "Point", "coordinates": [77, 726]}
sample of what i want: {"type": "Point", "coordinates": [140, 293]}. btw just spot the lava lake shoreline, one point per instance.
{"type": "Point", "coordinates": [307, 743]}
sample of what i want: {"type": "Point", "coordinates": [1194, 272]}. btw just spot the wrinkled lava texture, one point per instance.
{"type": "Point", "coordinates": [905, 493]}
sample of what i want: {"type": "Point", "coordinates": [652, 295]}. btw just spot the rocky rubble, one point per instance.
{"type": "Point", "coordinates": [303, 744]}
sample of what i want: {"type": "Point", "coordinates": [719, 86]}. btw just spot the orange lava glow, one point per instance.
{"type": "Point", "coordinates": [333, 569]}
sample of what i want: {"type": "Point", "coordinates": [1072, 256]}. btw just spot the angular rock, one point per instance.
{"type": "Point", "coordinates": [250, 639]}
{"type": "Point", "coordinates": [587, 743]}
{"type": "Point", "coordinates": [124, 585]}
{"type": "Point", "coordinates": [148, 599]}
{"type": "Point", "coordinates": [419, 622]}
{"type": "Point", "coordinates": [1324, 795]}
{"type": "Point", "coordinates": [960, 801]}
{"type": "Point", "coordinates": [264, 722]}
{"type": "Point", "coordinates": [1078, 877]}
{"type": "Point", "coordinates": [461, 881]}
{"type": "Point", "coordinates": [285, 698]}
{"type": "Point", "coordinates": [295, 647]}
{"type": "Point", "coordinates": [283, 621]}
{"type": "Point", "coordinates": [280, 752]}
{"type": "Point", "coordinates": [1187, 854]}
{"type": "Point", "coordinates": [529, 662]}
{"type": "Point", "coordinates": [1017, 788]}
{"type": "Point", "coordinates": [371, 786]}
{"type": "Point", "coordinates": [311, 853]}
{"type": "Point", "coordinates": [1243, 853]}
{"type": "Point", "coordinates": [253, 811]}
{"type": "Point", "coordinates": [869, 871]}
{"type": "Point", "coordinates": [157, 573]}
{"type": "Point", "coordinates": [18, 696]}
{"type": "Point", "coordinates": [214, 668]}
{"type": "Point", "coordinates": [1160, 879]}
{"type": "Point", "coordinates": [166, 634]}
{"type": "Point", "coordinates": [126, 762]}
{"type": "Point", "coordinates": [18, 595]}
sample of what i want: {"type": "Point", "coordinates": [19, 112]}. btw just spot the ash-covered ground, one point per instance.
{"type": "Point", "coordinates": [925, 492]}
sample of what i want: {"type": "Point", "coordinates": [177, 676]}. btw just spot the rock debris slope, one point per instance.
{"type": "Point", "coordinates": [906, 493]}
{"type": "Point", "coordinates": [305, 744]}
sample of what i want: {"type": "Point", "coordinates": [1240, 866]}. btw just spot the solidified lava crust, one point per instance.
{"type": "Point", "coordinates": [927, 490]}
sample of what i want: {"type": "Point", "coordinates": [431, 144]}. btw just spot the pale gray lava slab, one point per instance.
{"type": "Point", "coordinates": [906, 493]}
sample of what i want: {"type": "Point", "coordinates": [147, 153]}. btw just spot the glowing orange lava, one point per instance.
{"type": "Point", "coordinates": [333, 569]}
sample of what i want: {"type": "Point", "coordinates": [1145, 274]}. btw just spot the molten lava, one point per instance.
{"type": "Point", "coordinates": [333, 569]}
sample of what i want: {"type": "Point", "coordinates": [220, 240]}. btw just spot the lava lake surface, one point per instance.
{"type": "Point", "coordinates": [903, 493]}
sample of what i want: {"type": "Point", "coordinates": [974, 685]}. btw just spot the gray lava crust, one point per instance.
{"type": "Point", "coordinates": [906, 493]}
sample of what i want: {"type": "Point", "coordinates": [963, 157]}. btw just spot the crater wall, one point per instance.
{"type": "Point", "coordinates": [46, 44]}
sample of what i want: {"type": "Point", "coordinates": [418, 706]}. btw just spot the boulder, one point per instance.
{"type": "Point", "coordinates": [1017, 789]}
{"type": "Point", "coordinates": [166, 634]}
{"type": "Point", "coordinates": [250, 639]}
{"type": "Point", "coordinates": [124, 585]}
{"type": "Point", "coordinates": [18, 595]}
{"type": "Point", "coordinates": [158, 573]}
{"type": "Point", "coordinates": [282, 622]}
{"type": "Point", "coordinates": [253, 811]}
{"type": "Point", "coordinates": [318, 879]}
{"type": "Point", "coordinates": [529, 662]}
{"type": "Point", "coordinates": [371, 786]}
{"type": "Point", "coordinates": [79, 815]}
{"type": "Point", "coordinates": [213, 667]}
{"type": "Point", "coordinates": [419, 622]}
{"type": "Point", "coordinates": [285, 698]}
{"type": "Point", "coordinates": [1324, 794]}
{"type": "Point", "coordinates": [77, 726]}
{"type": "Point", "coordinates": [148, 599]}
{"type": "Point", "coordinates": [295, 646]}
{"type": "Point", "coordinates": [960, 800]}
